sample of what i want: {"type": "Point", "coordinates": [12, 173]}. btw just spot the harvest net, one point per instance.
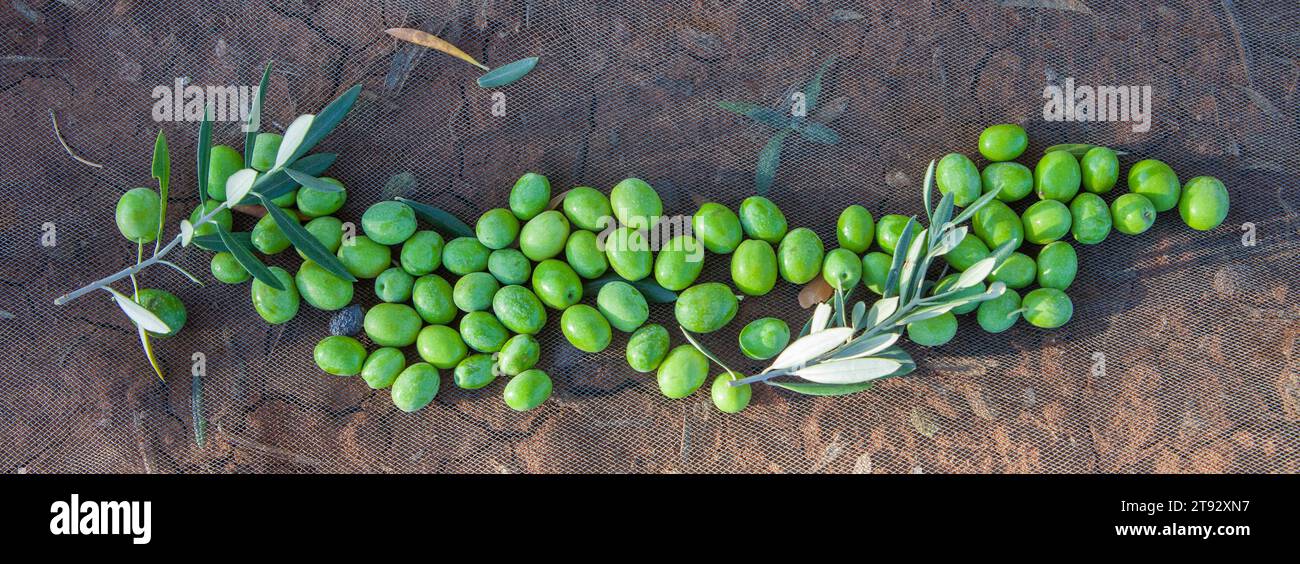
{"type": "Point", "coordinates": [1182, 355]}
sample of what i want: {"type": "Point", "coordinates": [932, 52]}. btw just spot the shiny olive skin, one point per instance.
{"type": "Point", "coordinates": [415, 387]}
{"type": "Point", "coordinates": [339, 355]}
{"type": "Point", "coordinates": [1204, 203]}
{"type": "Point", "coordinates": [316, 203]}
{"type": "Point", "coordinates": [394, 285]}
{"type": "Point", "coordinates": [382, 367]}
{"type": "Point", "coordinates": [1013, 181]}
{"type": "Point", "coordinates": [623, 306]}
{"type": "Point", "coordinates": [528, 390]}
{"type": "Point", "coordinates": [321, 289]}
{"type": "Point", "coordinates": [529, 196]}
{"type": "Point", "coordinates": [169, 308]}
{"type": "Point", "coordinates": [682, 372]}
{"type": "Point", "coordinates": [855, 229]}
{"type": "Point", "coordinates": [1047, 308]}
{"type": "Point", "coordinates": [1017, 271]}
{"type": "Point", "coordinates": [463, 255]}
{"type": "Point", "coordinates": [265, 146]}
{"type": "Point", "coordinates": [1057, 176]}
{"type": "Point", "coordinates": [1132, 214]}
{"type": "Point", "coordinates": [364, 258]}
{"type": "Point", "coordinates": [934, 331]}
{"type": "Point", "coordinates": [628, 254]}
{"type": "Point", "coordinates": [679, 262]}
{"type": "Point", "coordinates": [328, 231]}
{"type": "Point", "coordinates": [228, 270]}
{"type": "Point", "coordinates": [761, 219]}
{"type": "Point", "coordinates": [728, 398]}
{"type": "Point", "coordinates": [474, 291]}
{"type": "Point", "coordinates": [510, 266]}
{"type": "Point", "coordinates": [587, 208]}
{"type": "Point", "coordinates": [520, 353]}
{"type": "Point", "coordinates": [647, 347]}
{"type": "Point", "coordinates": [842, 269]}
{"type": "Point", "coordinates": [276, 306]}
{"type": "Point", "coordinates": [1000, 313]}
{"type": "Point", "coordinates": [1046, 221]}
{"type": "Point", "coordinates": [433, 298]}
{"type": "Point", "coordinates": [1090, 220]}
{"type": "Point", "coordinates": [1155, 180]}
{"type": "Point", "coordinates": [875, 271]}
{"type": "Point", "coordinates": [137, 215]}
{"type": "Point", "coordinates": [388, 222]}
{"type": "Point", "coordinates": [474, 371]}
{"type": "Point", "coordinates": [497, 228]}
{"type": "Point", "coordinates": [635, 203]}
{"type": "Point", "coordinates": [799, 258]}
{"type": "Point", "coordinates": [1100, 170]}
{"type": "Point", "coordinates": [968, 252]}
{"type": "Point", "coordinates": [483, 332]}
{"type": "Point", "coordinates": [1057, 265]}
{"type": "Point", "coordinates": [717, 227]}
{"type": "Point", "coordinates": [223, 161]}
{"type": "Point", "coordinates": [556, 284]}
{"type": "Point", "coordinates": [224, 218]}
{"type": "Point", "coordinates": [519, 310]}
{"type": "Point", "coordinates": [392, 325]}
{"type": "Point", "coordinates": [957, 174]}
{"type": "Point", "coordinates": [996, 223]}
{"type": "Point", "coordinates": [1003, 142]}
{"type": "Point", "coordinates": [889, 229]}
{"type": "Point", "coordinates": [544, 235]}
{"type": "Point", "coordinates": [764, 338]}
{"type": "Point", "coordinates": [705, 308]}
{"type": "Point", "coordinates": [267, 237]}
{"type": "Point", "coordinates": [440, 346]}
{"type": "Point", "coordinates": [421, 253]}
{"type": "Point", "coordinates": [585, 328]}
{"type": "Point", "coordinates": [584, 255]}
{"type": "Point", "coordinates": [753, 267]}
{"type": "Point", "coordinates": [945, 283]}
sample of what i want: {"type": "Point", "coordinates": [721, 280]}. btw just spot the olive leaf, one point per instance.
{"type": "Point", "coordinates": [808, 348]}
{"type": "Point", "coordinates": [976, 273]}
{"type": "Point", "coordinates": [216, 243]}
{"type": "Point", "coordinates": [246, 259]}
{"type": "Point", "coordinates": [276, 183]}
{"type": "Point", "coordinates": [294, 137]}
{"type": "Point", "coordinates": [762, 114]}
{"type": "Point", "coordinates": [325, 122]}
{"type": "Point", "coordinates": [859, 311]}
{"type": "Point", "coordinates": [815, 389]}
{"type": "Point", "coordinates": [820, 319]}
{"type": "Point", "coordinates": [309, 181]}
{"type": "Point", "coordinates": [161, 169]}
{"type": "Point", "coordinates": [205, 153]}
{"type": "Point", "coordinates": [868, 346]}
{"type": "Point", "coordinates": [305, 241]}
{"type": "Point", "coordinates": [948, 241]}
{"type": "Point", "coordinates": [240, 184]}
{"type": "Point", "coordinates": [975, 207]}
{"type": "Point", "coordinates": [706, 352]}
{"type": "Point", "coordinates": [653, 292]}
{"type": "Point", "coordinates": [850, 371]}
{"type": "Point", "coordinates": [432, 41]}
{"type": "Point", "coordinates": [817, 133]}
{"type": "Point", "coordinates": [507, 73]}
{"type": "Point", "coordinates": [254, 122]}
{"type": "Point", "coordinates": [813, 92]}
{"type": "Point", "coordinates": [187, 232]}
{"type": "Point", "coordinates": [768, 161]}
{"type": "Point", "coordinates": [147, 344]}
{"type": "Point", "coordinates": [138, 314]}
{"type": "Point", "coordinates": [448, 224]}
{"type": "Point", "coordinates": [903, 244]}
{"type": "Point", "coordinates": [912, 276]}
{"type": "Point", "coordinates": [881, 310]}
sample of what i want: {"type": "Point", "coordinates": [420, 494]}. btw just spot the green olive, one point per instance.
{"type": "Point", "coordinates": [1090, 219]}
{"type": "Point", "coordinates": [433, 299]}
{"type": "Point", "coordinates": [474, 371]}
{"type": "Point", "coordinates": [382, 367]}
{"type": "Point", "coordinates": [1003, 142]}
{"type": "Point", "coordinates": [636, 204]}
{"type": "Point", "coordinates": [364, 258]}
{"type": "Point", "coordinates": [679, 262]}
{"type": "Point", "coordinates": [1013, 181]}
{"type": "Point", "coordinates": [587, 208]}
{"type": "Point", "coordinates": [1057, 176]}
{"type": "Point", "coordinates": [628, 254]}
{"type": "Point", "coordinates": [799, 258]}
{"type": "Point", "coordinates": [339, 355]}
{"type": "Point", "coordinates": [463, 255]}
{"type": "Point", "coordinates": [497, 228]}
{"type": "Point", "coordinates": [584, 255]}
{"type": "Point", "coordinates": [511, 266]}
{"type": "Point", "coordinates": [415, 387]}
{"type": "Point", "coordinates": [855, 229]}
{"type": "Point", "coordinates": [440, 346]}
{"type": "Point", "coordinates": [394, 285]}
{"type": "Point", "coordinates": [267, 236]}
{"type": "Point", "coordinates": [169, 308]}
{"type": "Point", "coordinates": [968, 252]}
{"type": "Point", "coordinates": [1204, 203]}
{"type": "Point", "coordinates": [392, 325]}
{"type": "Point", "coordinates": [728, 398]}
{"type": "Point", "coordinates": [388, 222]}
{"type": "Point", "coordinates": [137, 215]}
{"type": "Point", "coordinates": [889, 229]}
{"type": "Point", "coordinates": [996, 224]}
{"type": "Point", "coordinates": [761, 219]}
{"type": "Point", "coordinates": [321, 289]}
{"type": "Point", "coordinates": [520, 353]}
{"type": "Point", "coordinates": [474, 291]}
{"type": "Point", "coordinates": [1057, 265]}
{"type": "Point", "coordinates": [763, 338]}
{"type": "Point", "coordinates": [223, 161]}
{"type": "Point", "coordinates": [1100, 169]}
{"type": "Point", "coordinates": [647, 347]}
{"type": "Point", "coordinates": [528, 390]}
{"type": "Point", "coordinates": [585, 328]}
{"type": "Point", "coordinates": [265, 147]}
{"type": "Point", "coordinates": [1132, 214]}
{"type": "Point", "coordinates": [753, 267]}
{"type": "Point", "coordinates": [519, 310]}
{"type": "Point", "coordinates": [226, 269]}
{"type": "Point", "coordinates": [1155, 180]}
{"type": "Point", "coordinates": [544, 235]}
{"type": "Point", "coordinates": [957, 174]}
{"type": "Point", "coordinates": [705, 308]}
{"type": "Point", "coordinates": [483, 332]}
{"type": "Point", "coordinates": [276, 306]}
{"type": "Point", "coordinates": [682, 372]}
{"type": "Point", "coordinates": [556, 284]}
{"type": "Point", "coordinates": [529, 196]}
{"type": "Point", "coordinates": [1047, 308]}
{"type": "Point", "coordinates": [422, 253]}
{"type": "Point", "coordinates": [1017, 271]}
{"type": "Point", "coordinates": [875, 271]}
{"type": "Point", "coordinates": [1000, 313]}
{"type": "Point", "coordinates": [934, 331]}
{"type": "Point", "coordinates": [717, 227]}
{"type": "Point", "coordinates": [842, 269]}
{"type": "Point", "coordinates": [315, 203]}
{"type": "Point", "coordinates": [1046, 221]}
{"type": "Point", "coordinates": [623, 306]}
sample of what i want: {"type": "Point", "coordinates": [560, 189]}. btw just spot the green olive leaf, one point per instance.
{"type": "Point", "coordinates": [706, 352]}
{"type": "Point", "coordinates": [324, 122]}
{"type": "Point", "coordinates": [880, 311]}
{"type": "Point", "coordinates": [507, 73]}
{"type": "Point", "coordinates": [896, 267]}
{"type": "Point", "coordinates": [859, 313]}
{"type": "Point", "coordinates": [927, 188]}
{"type": "Point", "coordinates": [975, 207]}
{"type": "Point", "coordinates": [277, 182]}
{"type": "Point", "coordinates": [817, 133]}
{"type": "Point", "coordinates": [138, 314]}
{"type": "Point", "coordinates": [205, 153]}
{"type": "Point", "coordinates": [161, 169]}
{"type": "Point", "coordinates": [867, 346]}
{"type": "Point", "coordinates": [294, 137]}
{"type": "Point", "coordinates": [147, 344]}
{"type": "Point", "coordinates": [976, 273]}
{"type": "Point", "coordinates": [653, 292]}
{"type": "Point", "coordinates": [305, 241]}
{"type": "Point", "coordinates": [309, 181]}
{"type": "Point", "coordinates": [216, 243]}
{"type": "Point", "coordinates": [254, 122]}
{"type": "Point", "coordinates": [761, 114]}
{"type": "Point", "coordinates": [196, 409]}
{"type": "Point", "coordinates": [768, 161]}
{"type": "Point", "coordinates": [815, 389]}
{"type": "Point", "coordinates": [913, 273]}
{"type": "Point", "coordinates": [813, 92]}
{"type": "Point", "coordinates": [949, 241]}
{"type": "Point", "coordinates": [448, 224]}
{"type": "Point", "coordinates": [821, 318]}
{"type": "Point", "coordinates": [246, 259]}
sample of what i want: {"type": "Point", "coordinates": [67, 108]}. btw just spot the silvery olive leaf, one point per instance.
{"type": "Point", "coordinates": [976, 273]}
{"type": "Point", "coordinates": [187, 232]}
{"type": "Point", "coordinates": [139, 315]}
{"type": "Point", "coordinates": [821, 318]}
{"type": "Point", "coordinates": [810, 347]}
{"type": "Point", "coordinates": [848, 371]}
{"type": "Point", "coordinates": [972, 209]}
{"type": "Point", "coordinates": [859, 312]}
{"type": "Point", "coordinates": [293, 137]}
{"type": "Point", "coordinates": [240, 184]}
{"type": "Point", "coordinates": [868, 346]}
{"type": "Point", "coordinates": [948, 241]}
{"type": "Point", "coordinates": [880, 311]}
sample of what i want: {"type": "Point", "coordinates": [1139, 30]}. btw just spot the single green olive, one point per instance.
{"type": "Point", "coordinates": [623, 306]}
{"type": "Point", "coordinates": [415, 387]}
{"type": "Point", "coordinates": [1057, 176]}
{"type": "Point", "coordinates": [364, 258]}
{"type": "Point", "coordinates": [585, 328]}
{"type": "Point", "coordinates": [679, 262]}
{"type": "Point", "coordinates": [440, 346]}
{"type": "Point", "coordinates": [422, 253]}
{"type": "Point", "coordinates": [321, 289]}
{"type": "Point", "coordinates": [875, 271]}
{"type": "Point", "coordinates": [389, 222]}
{"type": "Point", "coordinates": [682, 372]}
{"type": "Point", "coordinates": [889, 229]}
{"type": "Point", "coordinates": [1100, 169]}
{"type": "Point", "coordinates": [223, 161]}
{"type": "Point", "coordinates": [1000, 313]}
{"type": "Point", "coordinates": [474, 371]}
{"type": "Point", "coordinates": [169, 308]}
{"type": "Point", "coordinates": [842, 269]}
{"type": "Point", "coordinates": [315, 203]}
{"type": "Point", "coordinates": [934, 331]}
{"type": "Point", "coordinates": [997, 224]}
{"type": "Point", "coordinates": [268, 238]}
{"type": "Point", "coordinates": [1003, 142]}
{"type": "Point", "coordinates": [717, 227]}
{"type": "Point", "coordinates": [265, 147]}
{"type": "Point", "coordinates": [628, 254]}
{"type": "Point", "coordinates": [1016, 271]}
{"type": "Point", "coordinates": [636, 204]}
{"type": "Point", "coordinates": [276, 306]}
{"type": "Point", "coordinates": [137, 215]}
{"type": "Point", "coordinates": [968, 252]}
{"type": "Point", "coordinates": [510, 266]}
{"type": "Point", "coordinates": [327, 230]}
{"type": "Point", "coordinates": [474, 291]}
{"type": "Point", "coordinates": [544, 235]}
{"type": "Point", "coordinates": [587, 208]}
{"type": "Point", "coordinates": [761, 219]}
{"type": "Point", "coordinates": [433, 299]}
{"type": "Point", "coordinates": [1090, 220]}
{"type": "Point", "coordinates": [1132, 214]}
{"type": "Point", "coordinates": [463, 255]}
{"type": "Point", "coordinates": [1013, 181]}
{"type": "Point", "coordinates": [957, 174]}
{"type": "Point", "coordinates": [763, 338]}
{"type": "Point", "coordinates": [382, 367]}
{"type": "Point", "coordinates": [1057, 265]}
{"type": "Point", "coordinates": [519, 310]}
{"type": "Point", "coordinates": [529, 196]}
{"type": "Point", "coordinates": [483, 332]}
{"type": "Point", "coordinates": [556, 284]}
{"type": "Point", "coordinates": [528, 390]}
{"type": "Point", "coordinates": [392, 325]}
{"type": "Point", "coordinates": [1155, 180]}
{"type": "Point", "coordinates": [1204, 203]}
{"type": "Point", "coordinates": [1047, 308]}
{"type": "Point", "coordinates": [1046, 221]}
{"type": "Point", "coordinates": [728, 398]}
{"type": "Point", "coordinates": [705, 308]}
{"type": "Point", "coordinates": [228, 270]}
{"type": "Point", "coordinates": [855, 229]}
{"type": "Point", "coordinates": [339, 355]}
{"type": "Point", "coordinates": [799, 258]}
{"type": "Point", "coordinates": [394, 285]}
{"type": "Point", "coordinates": [497, 228]}
{"type": "Point", "coordinates": [753, 267]}
{"type": "Point", "coordinates": [647, 347]}
{"type": "Point", "coordinates": [519, 353]}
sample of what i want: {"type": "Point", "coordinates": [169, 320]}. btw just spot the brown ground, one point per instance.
{"type": "Point", "coordinates": [1199, 333]}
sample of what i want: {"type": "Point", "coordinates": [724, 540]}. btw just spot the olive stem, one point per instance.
{"type": "Point", "coordinates": [140, 265]}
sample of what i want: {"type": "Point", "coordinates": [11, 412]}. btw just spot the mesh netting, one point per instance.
{"type": "Point", "coordinates": [1198, 333]}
